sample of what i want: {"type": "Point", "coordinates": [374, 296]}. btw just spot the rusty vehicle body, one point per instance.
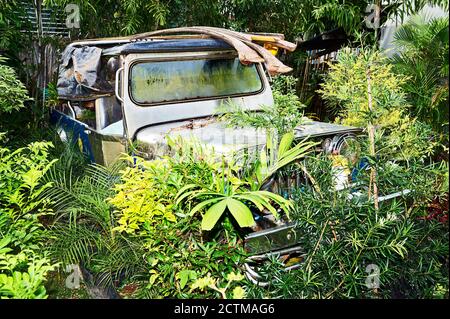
{"type": "Point", "coordinates": [116, 93]}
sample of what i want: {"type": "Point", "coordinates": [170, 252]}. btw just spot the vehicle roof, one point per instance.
{"type": "Point", "coordinates": [123, 46]}
{"type": "Point", "coordinates": [173, 45]}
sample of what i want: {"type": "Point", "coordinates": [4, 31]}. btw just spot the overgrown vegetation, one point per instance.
{"type": "Point", "coordinates": [423, 59]}
{"type": "Point", "coordinates": [345, 240]}
{"type": "Point", "coordinates": [174, 227]}
{"type": "Point", "coordinates": [24, 261]}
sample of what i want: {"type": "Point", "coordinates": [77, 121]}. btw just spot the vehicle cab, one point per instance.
{"type": "Point", "coordinates": [119, 95]}
{"type": "Point", "coordinates": [137, 92]}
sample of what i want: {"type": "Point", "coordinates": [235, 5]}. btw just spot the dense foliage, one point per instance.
{"type": "Point", "coordinates": [424, 59]}
{"type": "Point", "coordinates": [122, 226]}
{"type": "Point", "coordinates": [346, 90]}
{"type": "Point", "coordinates": [24, 262]}
{"type": "Point", "coordinates": [174, 226]}
{"type": "Point", "coordinates": [13, 93]}
{"type": "Point", "coordinates": [346, 241]}
{"type": "Point", "coordinates": [281, 118]}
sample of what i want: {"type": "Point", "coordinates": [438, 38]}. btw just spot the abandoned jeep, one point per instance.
{"type": "Point", "coordinates": [116, 92]}
{"type": "Point", "coordinates": [122, 92]}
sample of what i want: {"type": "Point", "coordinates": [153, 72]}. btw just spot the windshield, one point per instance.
{"type": "Point", "coordinates": [167, 81]}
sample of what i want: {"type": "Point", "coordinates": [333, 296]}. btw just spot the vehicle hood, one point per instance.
{"type": "Point", "coordinates": [222, 139]}
{"type": "Point", "coordinates": [209, 131]}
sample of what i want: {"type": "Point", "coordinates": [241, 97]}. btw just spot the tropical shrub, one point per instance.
{"type": "Point", "coordinates": [82, 227]}
{"type": "Point", "coordinates": [24, 264]}
{"type": "Point", "coordinates": [345, 89]}
{"type": "Point", "coordinates": [22, 275]}
{"type": "Point", "coordinates": [423, 58]}
{"type": "Point", "coordinates": [355, 251]}
{"type": "Point", "coordinates": [13, 93]}
{"type": "Point", "coordinates": [284, 84]}
{"type": "Point", "coordinates": [147, 204]}
{"type": "Point", "coordinates": [227, 192]}
{"type": "Point", "coordinates": [284, 116]}
{"type": "Point", "coordinates": [397, 248]}
{"type": "Point", "coordinates": [145, 195]}
{"type": "Point", "coordinates": [176, 252]}
{"type": "Point", "coordinates": [121, 225]}
{"type": "Point", "coordinates": [178, 256]}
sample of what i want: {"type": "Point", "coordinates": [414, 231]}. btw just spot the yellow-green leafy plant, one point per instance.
{"type": "Point", "coordinates": [284, 116]}
{"type": "Point", "coordinates": [22, 275]}
{"type": "Point", "coordinates": [232, 280]}
{"type": "Point", "coordinates": [145, 194]}
{"type": "Point", "coordinates": [364, 91]}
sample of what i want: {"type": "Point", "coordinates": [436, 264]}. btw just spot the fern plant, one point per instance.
{"type": "Point", "coordinates": [284, 116]}
{"type": "Point", "coordinates": [82, 230]}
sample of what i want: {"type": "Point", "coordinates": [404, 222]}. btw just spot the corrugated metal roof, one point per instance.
{"type": "Point", "coordinates": [53, 22]}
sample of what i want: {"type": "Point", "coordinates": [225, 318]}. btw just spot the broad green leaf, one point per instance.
{"type": "Point", "coordinates": [204, 204]}
{"type": "Point", "coordinates": [240, 212]}
{"type": "Point", "coordinates": [213, 214]}
{"type": "Point", "coordinates": [285, 143]}
{"type": "Point", "coordinates": [181, 196]}
{"type": "Point", "coordinates": [5, 241]}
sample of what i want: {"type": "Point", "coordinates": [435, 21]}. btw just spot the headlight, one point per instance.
{"type": "Point", "coordinates": [345, 145]}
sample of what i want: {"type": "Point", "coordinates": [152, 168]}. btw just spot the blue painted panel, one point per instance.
{"type": "Point", "coordinates": [75, 129]}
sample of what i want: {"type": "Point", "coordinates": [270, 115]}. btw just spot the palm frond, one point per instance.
{"type": "Point", "coordinates": [74, 196]}
{"type": "Point", "coordinates": [74, 245]}
{"type": "Point", "coordinates": [123, 258]}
